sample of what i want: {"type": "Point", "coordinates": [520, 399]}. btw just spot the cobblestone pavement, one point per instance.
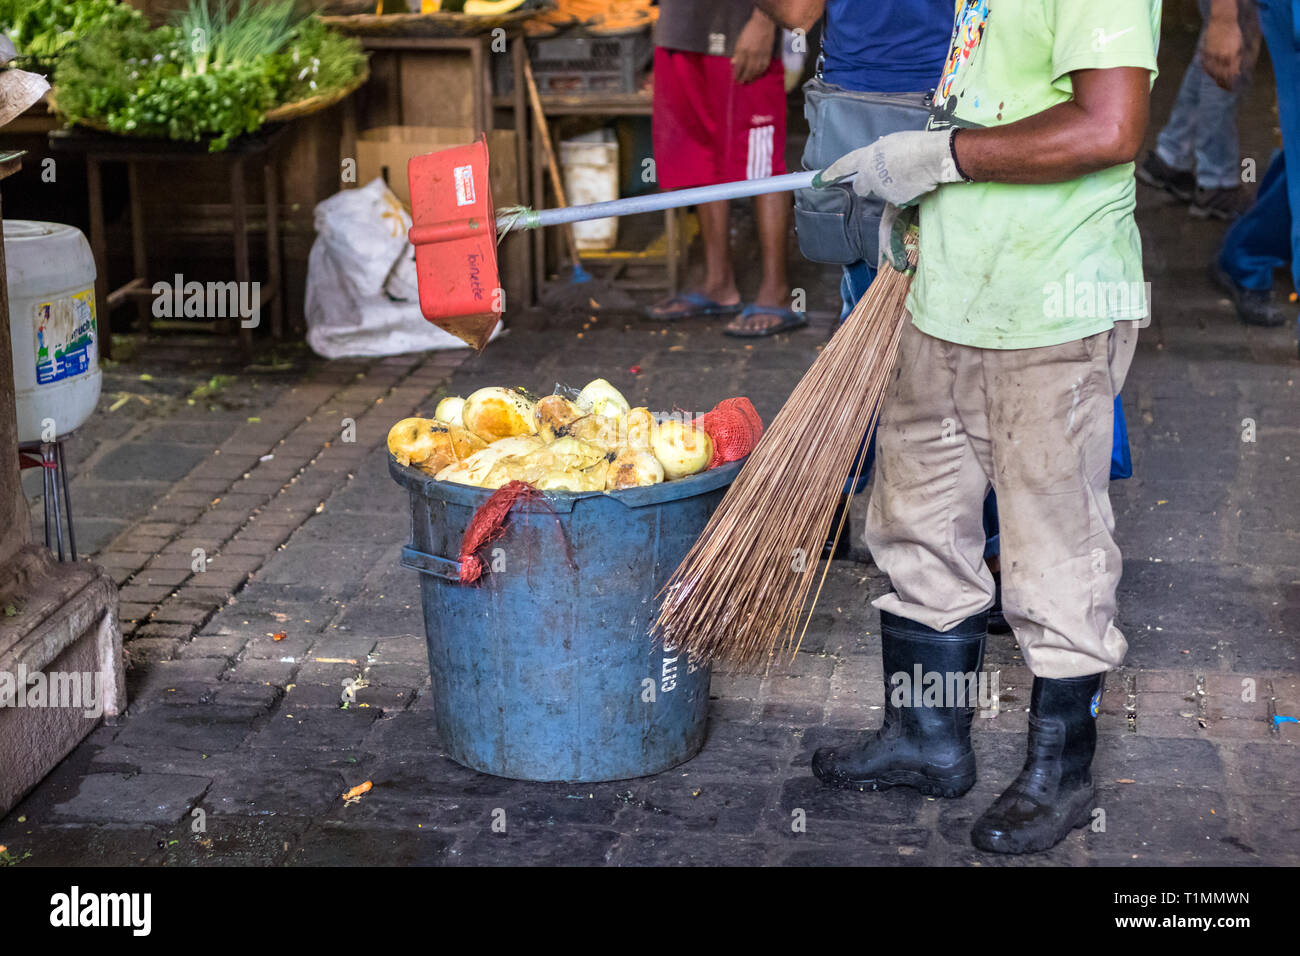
{"type": "Point", "coordinates": [301, 531]}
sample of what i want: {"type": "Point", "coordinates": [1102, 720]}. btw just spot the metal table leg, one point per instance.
{"type": "Point", "coordinates": [67, 499]}
{"type": "Point", "coordinates": [48, 458]}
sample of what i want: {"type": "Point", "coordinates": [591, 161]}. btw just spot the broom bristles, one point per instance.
{"type": "Point", "coordinates": [741, 592]}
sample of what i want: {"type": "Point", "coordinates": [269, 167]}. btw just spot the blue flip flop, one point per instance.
{"type": "Point", "coordinates": [699, 303]}
{"type": "Point", "coordinates": [790, 320]}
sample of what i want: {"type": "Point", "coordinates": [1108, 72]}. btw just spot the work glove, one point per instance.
{"type": "Point", "coordinates": [899, 168]}
{"type": "Point", "coordinates": [898, 227]}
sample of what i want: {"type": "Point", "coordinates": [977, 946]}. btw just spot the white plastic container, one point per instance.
{"type": "Point", "coordinates": [590, 166]}
{"type": "Point", "coordinates": [55, 341]}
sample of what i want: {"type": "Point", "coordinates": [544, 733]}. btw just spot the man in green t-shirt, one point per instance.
{"type": "Point", "coordinates": [1023, 326]}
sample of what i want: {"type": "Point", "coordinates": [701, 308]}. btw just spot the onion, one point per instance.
{"type": "Point", "coordinates": [603, 398]}
{"type": "Point", "coordinates": [431, 445]}
{"type": "Point", "coordinates": [636, 427]}
{"type": "Point", "coordinates": [682, 449]}
{"type": "Point", "coordinates": [633, 468]}
{"type": "Point", "coordinates": [449, 410]}
{"type": "Point", "coordinates": [552, 414]}
{"type": "Point", "coordinates": [596, 430]}
{"type": "Point", "coordinates": [496, 413]}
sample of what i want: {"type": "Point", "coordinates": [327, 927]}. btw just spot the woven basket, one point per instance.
{"type": "Point", "coordinates": [428, 24]}
{"type": "Point", "coordinates": [314, 104]}
{"type": "Point", "coordinates": [52, 104]}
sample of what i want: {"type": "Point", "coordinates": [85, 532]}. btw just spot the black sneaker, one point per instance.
{"type": "Point", "coordinates": [1222, 204]}
{"type": "Point", "coordinates": [1155, 172]}
{"type": "Point", "coordinates": [1254, 306]}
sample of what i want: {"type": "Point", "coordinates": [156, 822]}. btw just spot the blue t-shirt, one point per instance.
{"type": "Point", "coordinates": [886, 46]}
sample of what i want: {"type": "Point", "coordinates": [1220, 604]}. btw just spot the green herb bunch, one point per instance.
{"type": "Point", "coordinates": [43, 29]}
{"type": "Point", "coordinates": [212, 75]}
{"type": "Point", "coordinates": [315, 61]}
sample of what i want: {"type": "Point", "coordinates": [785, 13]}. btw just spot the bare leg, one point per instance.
{"type": "Point", "coordinates": [719, 283]}
{"type": "Point", "coordinates": [773, 213]}
{"type": "Point", "coordinates": [715, 232]}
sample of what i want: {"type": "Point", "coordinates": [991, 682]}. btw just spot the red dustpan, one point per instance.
{"type": "Point", "coordinates": [454, 230]}
{"type": "Point", "coordinates": [455, 237]}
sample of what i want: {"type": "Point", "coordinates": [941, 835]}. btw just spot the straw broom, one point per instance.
{"type": "Point", "coordinates": [741, 592]}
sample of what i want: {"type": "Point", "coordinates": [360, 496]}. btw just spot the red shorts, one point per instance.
{"type": "Point", "coordinates": [708, 129]}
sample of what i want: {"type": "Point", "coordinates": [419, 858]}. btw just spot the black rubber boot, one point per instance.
{"type": "Point", "coordinates": [925, 747]}
{"type": "Point", "coordinates": [1054, 792]}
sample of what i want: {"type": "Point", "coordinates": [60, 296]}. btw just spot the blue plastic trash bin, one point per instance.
{"type": "Point", "coordinates": [545, 670]}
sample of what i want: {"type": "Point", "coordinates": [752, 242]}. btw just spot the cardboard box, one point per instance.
{"type": "Point", "coordinates": [385, 151]}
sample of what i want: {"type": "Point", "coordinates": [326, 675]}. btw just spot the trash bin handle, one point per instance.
{"type": "Point", "coordinates": [429, 564]}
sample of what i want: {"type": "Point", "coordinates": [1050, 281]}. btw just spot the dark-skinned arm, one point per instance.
{"type": "Point", "coordinates": [793, 14]}
{"type": "Point", "coordinates": [1102, 126]}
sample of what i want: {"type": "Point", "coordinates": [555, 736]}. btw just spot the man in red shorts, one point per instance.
{"type": "Point", "coordinates": [719, 116]}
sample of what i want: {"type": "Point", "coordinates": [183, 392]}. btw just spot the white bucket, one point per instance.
{"type": "Point", "coordinates": [54, 338]}
{"type": "Point", "coordinates": [590, 166]}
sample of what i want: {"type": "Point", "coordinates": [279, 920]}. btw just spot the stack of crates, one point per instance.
{"type": "Point", "coordinates": [583, 65]}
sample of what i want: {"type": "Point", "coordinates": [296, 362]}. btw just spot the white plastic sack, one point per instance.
{"type": "Point", "coordinates": [362, 298]}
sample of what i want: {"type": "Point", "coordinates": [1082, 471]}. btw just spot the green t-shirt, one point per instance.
{"type": "Point", "coordinates": [1010, 266]}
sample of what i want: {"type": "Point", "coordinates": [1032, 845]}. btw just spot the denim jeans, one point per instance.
{"type": "Point", "coordinates": [1267, 236]}
{"type": "Point", "coordinates": [1202, 129]}
{"type": "Point", "coordinates": [853, 286]}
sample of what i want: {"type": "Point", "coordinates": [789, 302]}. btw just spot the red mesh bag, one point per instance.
{"type": "Point", "coordinates": [488, 524]}
{"type": "Point", "coordinates": [735, 428]}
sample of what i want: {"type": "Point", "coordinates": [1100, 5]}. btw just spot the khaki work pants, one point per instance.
{"type": "Point", "coordinates": [1037, 425]}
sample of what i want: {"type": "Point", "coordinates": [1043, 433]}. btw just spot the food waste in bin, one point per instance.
{"type": "Point", "coordinates": [592, 441]}
{"type": "Point", "coordinates": [548, 671]}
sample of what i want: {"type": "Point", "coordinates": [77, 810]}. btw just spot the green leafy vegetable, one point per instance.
{"type": "Point", "coordinates": [230, 38]}
{"type": "Point", "coordinates": [212, 75]}
{"type": "Point", "coordinates": [43, 29]}
{"type": "Point", "coordinates": [317, 60]}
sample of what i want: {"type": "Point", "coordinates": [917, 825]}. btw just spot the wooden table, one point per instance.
{"type": "Point", "coordinates": [99, 148]}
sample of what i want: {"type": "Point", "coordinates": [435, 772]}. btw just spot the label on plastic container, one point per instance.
{"type": "Point", "coordinates": [64, 336]}
{"type": "Point", "coordinates": [464, 176]}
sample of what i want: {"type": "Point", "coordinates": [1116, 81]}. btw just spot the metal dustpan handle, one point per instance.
{"type": "Point", "coordinates": [523, 218]}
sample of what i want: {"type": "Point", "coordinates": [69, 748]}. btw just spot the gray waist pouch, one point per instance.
{"type": "Point", "coordinates": [834, 224]}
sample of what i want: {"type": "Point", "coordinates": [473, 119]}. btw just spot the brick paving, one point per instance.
{"type": "Point", "coordinates": [235, 671]}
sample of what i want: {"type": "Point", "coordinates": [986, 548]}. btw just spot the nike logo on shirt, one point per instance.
{"type": "Point", "coordinates": [1100, 39]}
